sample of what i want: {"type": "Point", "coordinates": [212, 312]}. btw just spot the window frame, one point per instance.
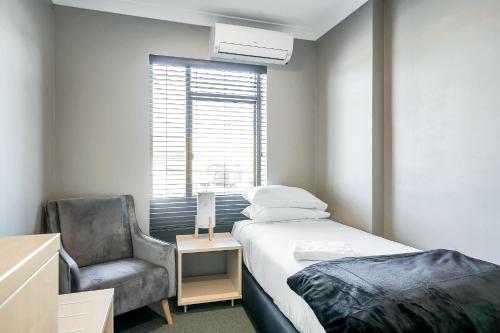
{"type": "Point", "coordinates": [168, 230]}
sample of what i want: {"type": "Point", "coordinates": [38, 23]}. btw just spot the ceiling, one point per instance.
{"type": "Point", "coordinates": [305, 19]}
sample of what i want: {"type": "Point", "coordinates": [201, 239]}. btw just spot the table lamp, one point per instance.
{"type": "Point", "coordinates": [205, 217]}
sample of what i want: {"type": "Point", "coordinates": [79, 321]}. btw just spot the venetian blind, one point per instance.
{"type": "Point", "coordinates": [208, 133]}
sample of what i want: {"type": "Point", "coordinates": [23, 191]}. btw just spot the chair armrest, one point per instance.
{"type": "Point", "coordinates": [157, 252]}
{"type": "Point", "coordinates": [69, 273]}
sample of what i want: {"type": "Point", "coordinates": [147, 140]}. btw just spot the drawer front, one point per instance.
{"type": "Point", "coordinates": [21, 257]}
{"type": "Point", "coordinates": [32, 308]}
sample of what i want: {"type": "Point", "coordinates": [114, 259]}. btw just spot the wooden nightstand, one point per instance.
{"type": "Point", "coordinates": [88, 311]}
{"type": "Point", "coordinates": [209, 288]}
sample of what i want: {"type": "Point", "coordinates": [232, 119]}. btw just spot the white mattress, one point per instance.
{"type": "Point", "coordinates": [268, 255]}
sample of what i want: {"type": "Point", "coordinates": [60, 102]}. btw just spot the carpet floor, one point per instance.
{"type": "Point", "coordinates": [206, 318]}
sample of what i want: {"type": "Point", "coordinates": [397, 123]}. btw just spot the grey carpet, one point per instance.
{"type": "Point", "coordinates": [210, 318]}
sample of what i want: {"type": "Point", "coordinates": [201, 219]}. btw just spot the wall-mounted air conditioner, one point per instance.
{"type": "Point", "coordinates": [236, 43]}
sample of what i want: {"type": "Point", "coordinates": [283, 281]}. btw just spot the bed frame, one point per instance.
{"type": "Point", "coordinates": [261, 308]}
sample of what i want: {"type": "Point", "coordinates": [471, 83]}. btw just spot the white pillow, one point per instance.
{"type": "Point", "coordinates": [279, 196]}
{"type": "Point", "coordinates": [264, 214]}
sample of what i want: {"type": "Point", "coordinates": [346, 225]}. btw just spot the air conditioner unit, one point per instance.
{"type": "Point", "coordinates": [236, 43]}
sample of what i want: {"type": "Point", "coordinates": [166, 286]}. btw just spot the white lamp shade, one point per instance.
{"type": "Point", "coordinates": [206, 209]}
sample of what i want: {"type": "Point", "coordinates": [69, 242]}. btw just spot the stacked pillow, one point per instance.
{"type": "Point", "coordinates": [281, 203]}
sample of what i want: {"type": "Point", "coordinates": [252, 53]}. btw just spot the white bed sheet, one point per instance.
{"type": "Point", "coordinates": [268, 255]}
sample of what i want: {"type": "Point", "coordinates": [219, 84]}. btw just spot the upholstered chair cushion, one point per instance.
{"type": "Point", "coordinates": [136, 282]}
{"type": "Point", "coordinates": [95, 230]}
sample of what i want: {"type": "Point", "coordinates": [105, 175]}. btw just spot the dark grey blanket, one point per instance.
{"type": "Point", "coordinates": [432, 291]}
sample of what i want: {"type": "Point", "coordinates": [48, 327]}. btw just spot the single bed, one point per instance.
{"type": "Point", "coordinates": [268, 256]}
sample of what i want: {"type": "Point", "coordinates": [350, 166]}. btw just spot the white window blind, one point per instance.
{"type": "Point", "coordinates": [208, 133]}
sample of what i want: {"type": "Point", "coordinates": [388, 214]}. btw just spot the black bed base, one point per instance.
{"type": "Point", "coordinates": [261, 308]}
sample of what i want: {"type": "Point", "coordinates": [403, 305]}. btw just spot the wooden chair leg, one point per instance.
{"type": "Point", "coordinates": [166, 310]}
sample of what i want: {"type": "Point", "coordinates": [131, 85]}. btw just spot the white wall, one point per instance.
{"type": "Point", "coordinates": [444, 115]}
{"type": "Point", "coordinates": [102, 129]}
{"type": "Point", "coordinates": [26, 112]}
{"type": "Point", "coordinates": [349, 160]}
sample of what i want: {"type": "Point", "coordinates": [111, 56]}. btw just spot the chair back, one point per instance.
{"type": "Point", "coordinates": [93, 230]}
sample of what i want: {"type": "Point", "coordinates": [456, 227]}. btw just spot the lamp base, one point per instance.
{"type": "Point", "coordinates": [195, 227]}
{"type": "Point", "coordinates": [210, 230]}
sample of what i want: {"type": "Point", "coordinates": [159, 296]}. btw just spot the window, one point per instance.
{"type": "Point", "coordinates": [208, 133]}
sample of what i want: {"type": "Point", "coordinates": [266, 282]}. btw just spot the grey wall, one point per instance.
{"type": "Point", "coordinates": [444, 115]}
{"type": "Point", "coordinates": [102, 115]}
{"type": "Point", "coordinates": [26, 112]}
{"type": "Point", "coordinates": [349, 146]}
{"type": "Point", "coordinates": [292, 103]}
{"type": "Point", "coordinates": [378, 95]}
{"type": "Point", "coordinates": [433, 67]}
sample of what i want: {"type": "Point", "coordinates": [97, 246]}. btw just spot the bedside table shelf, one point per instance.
{"type": "Point", "coordinates": [209, 288]}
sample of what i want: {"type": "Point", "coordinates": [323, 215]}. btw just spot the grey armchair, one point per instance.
{"type": "Point", "coordinates": [103, 247]}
